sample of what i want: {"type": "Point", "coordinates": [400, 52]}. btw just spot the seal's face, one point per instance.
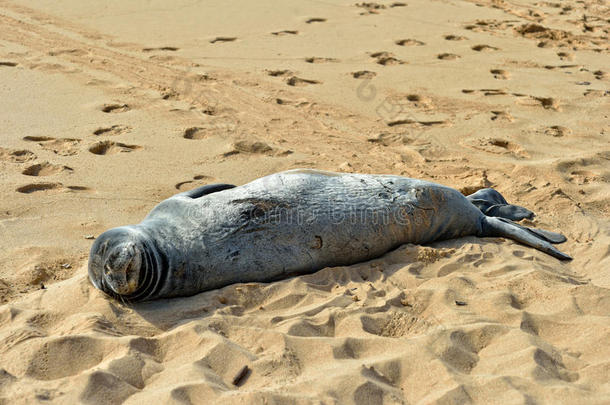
{"type": "Point", "coordinates": [122, 268]}
{"type": "Point", "coordinates": [116, 262]}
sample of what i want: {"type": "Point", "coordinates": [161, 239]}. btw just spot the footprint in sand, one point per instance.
{"type": "Point", "coordinates": [408, 121]}
{"type": "Point", "coordinates": [420, 101]}
{"type": "Point", "coordinates": [252, 147]}
{"type": "Point", "coordinates": [500, 74]}
{"type": "Point", "coordinates": [548, 103]}
{"type": "Point", "coordinates": [565, 56]}
{"type": "Point", "coordinates": [61, 146]}
{"type": "Point", "coordinates": [409, 42]}
{"type": "Point", "coordinates": [501, 116]}
{"type": "Point", "coordinates": [163, 48]}
{"type": "Point", "coordinates": [110, 148]}
{"type": "Point", "coordinates": [199, 179]}
{"type": "Point", "coordinates": [484, 48]}
{"type": "Point", "coordinates": [497, 146]}
{"type": "Point", "coordinates": [222, 39]}
{"type": "Point", "coordinates": [454, 38]}
{"type": "Point", "coordinates": [370, 7]}
{"type": "Point", "coordinates": [486, 92]}
{"type": "Point", "coordinates": [386, 58]}
{"type": "Point", "coordinates": [447, 56]}
{"type": "Point", "coordinates": [37, 187]}
{"type": "Point", "coordinates": [315, 20]}
{"type": "Point", "coordinates": [113, 130]}
{"type": "Point", "coordinates": [279, 72]}
{"type": "Point", "coordinates": [194, 133]}
{"type": "Point", "coordinates": [556, 131]}
{"type": "Point", "coordinates": [45, 169]}
{"type": "Point", "coordinates": [363, 74]}
{"type": "Point", "coordinates": [115, 108]}
{"type": "Point", "coordinates": [297, 103]}
{"type": "Point", "coordinates": [285, 32]}
{"type": "Point", "coordinates": [315, 59]}
{"type": "Point", "coordinates": [8, 64]}
{"type": "Point", "coordinates": [16, 156]}
{"type": "Point", "coordinates": [299, 82]}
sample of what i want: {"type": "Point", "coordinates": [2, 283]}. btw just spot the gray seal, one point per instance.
{"type": "Point", "coordinates": [288, 223]}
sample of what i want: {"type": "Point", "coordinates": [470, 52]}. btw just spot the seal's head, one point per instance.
{"type": "Point", "coordinates": [117, 262]}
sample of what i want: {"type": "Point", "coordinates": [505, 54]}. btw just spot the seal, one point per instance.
{"type": "Point", "coordinates": [288, 223]}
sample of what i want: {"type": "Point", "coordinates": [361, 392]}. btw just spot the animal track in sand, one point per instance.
{"type": "Point", "coordinates": [194, 133]}
{"type": "Point", "coordinates": [61, 146]}
{"type": "Point", "coordinates": [8, 64]}
{"type": "Point", "coordinates": [315, 20]}
{"type": "Point", "coordinates": [500, 74]}
{"type": "Point", "coordinates": [222, 39]}
{"type": "Point", "coordinates": [454, 37]}
{"type": "Point", "coordinates": [115, 108]}
{"type": "Point", "coordinates": [315, 59]}
{"type": "Point", "coordinates": [185, 185]}
{"type": "Point", "coordinates": [285, 32]}
{"type": "Point", "coordinates": [109, 148]}
{"type": "Point", "coordinates": [36, 187]}
{"type": "Point", "coordinates": [448, 56]}
{"type": "Point", "coordinates": [17, 156]}
{"type": "Point", "coordinates": [386, 58]}
{"type": "Point", "coordinates": [113, 130]}
{"type": "Point", "coordinates": [45, 169]}
{"type": "Point", "coordinates": [162, 48]}
{"type": "Point", "coordinates": [363, 74]}
{"type": "Point", "coordinates": [484, 48]}
{"type": "Point", "coordinates": [409, 42]}
{"type": "Point", "coordinates": [299, 82]}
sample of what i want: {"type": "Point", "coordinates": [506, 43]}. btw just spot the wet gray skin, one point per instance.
{"type": "Point", "coordinates": [289, 223]}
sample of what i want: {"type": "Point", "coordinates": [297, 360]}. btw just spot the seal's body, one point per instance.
{"type": "Point", "coordinates": [288, 223]}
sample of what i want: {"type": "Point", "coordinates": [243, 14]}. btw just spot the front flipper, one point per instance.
{"type": "Point", "coordinates": [205, 190]}
{"type": "Point", "coordinates": [493, 204]}
{"type": "Point", "coordinates": [535, 238]}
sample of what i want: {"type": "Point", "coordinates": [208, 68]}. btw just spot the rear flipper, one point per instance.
{"type": "Point", "coordinates": [536, 238]}
{"type": "Point", "coordinates": [492, 204]}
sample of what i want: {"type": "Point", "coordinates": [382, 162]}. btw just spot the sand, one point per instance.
{"type": "Point", "coordinates": [110, 107]}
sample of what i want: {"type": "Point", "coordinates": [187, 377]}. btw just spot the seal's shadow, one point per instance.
{"type": "Point", "coordinates": [419, 261]}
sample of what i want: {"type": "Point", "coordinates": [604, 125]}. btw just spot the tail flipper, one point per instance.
{"type": "Point", "coordinates": [493, 204]}
{"type": "Point", "coordinates": [536, 238]}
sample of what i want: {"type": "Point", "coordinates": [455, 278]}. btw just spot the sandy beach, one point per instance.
{"type": "Point", "coordinates": [110, 107]}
